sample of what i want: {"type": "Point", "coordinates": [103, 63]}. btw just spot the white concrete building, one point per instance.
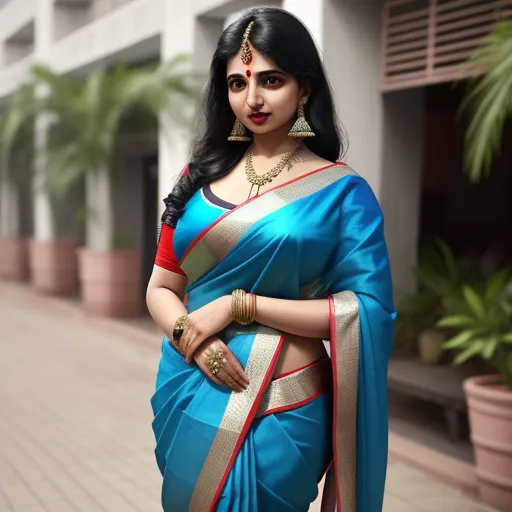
{"type": "Point", "coordinates": [385, 129]}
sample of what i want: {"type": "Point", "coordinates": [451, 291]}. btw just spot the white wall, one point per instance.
{"type": "Point", "coordinates": [352, 58]}
{"type": "Point", "coordinates": [100, 8]}
{"type": "Point", "coordinates": [138, 21]}
{"type": "Point", "coordinates": [15, 15]}
{"type": "Point", "coordinates": [400, 192]}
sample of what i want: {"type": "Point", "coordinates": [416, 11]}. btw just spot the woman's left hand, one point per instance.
{"type": "Point", "coordinates": [203, 323]}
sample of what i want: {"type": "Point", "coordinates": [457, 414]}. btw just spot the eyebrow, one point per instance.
{"type": "Point", "coordinates": [260, 74]}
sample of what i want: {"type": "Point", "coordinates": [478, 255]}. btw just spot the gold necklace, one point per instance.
{"type": "Point", "coordinates": [256, 180]}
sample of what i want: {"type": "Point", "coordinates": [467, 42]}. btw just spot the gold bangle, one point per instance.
{"type": "Point", "coordinates": [243, 307]}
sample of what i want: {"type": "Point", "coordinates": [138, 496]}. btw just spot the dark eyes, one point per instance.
{"type": "Point", "coordinates": [236, 85]}
{"type": "Point", "coordinates": [271, 81]}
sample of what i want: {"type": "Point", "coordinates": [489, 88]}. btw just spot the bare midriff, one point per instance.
{"type": "Point", "coordinates": [298, 352]}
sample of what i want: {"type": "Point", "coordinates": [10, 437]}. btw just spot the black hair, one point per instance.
{"type": "Point", "coordinates": [281, 37]}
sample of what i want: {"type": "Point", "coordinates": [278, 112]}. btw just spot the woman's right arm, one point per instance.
{"type": "Point", "coordinates": [164, 298]}
{"type": "Point", "coordinates": [166, 288]}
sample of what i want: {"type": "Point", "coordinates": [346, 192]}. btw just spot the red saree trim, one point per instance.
{"type": "Point", "coordinates": [203, 233]}
{"type": "Point", "coordinates": [247, 426]}
{"type": "Point", "coordinates": [291, 372]}
{"type": "Point", "coordinates": [295, 405]}
{"type": "Point", "coordinates": [332, 322]}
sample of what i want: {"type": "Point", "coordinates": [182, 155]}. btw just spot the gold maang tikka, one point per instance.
{"type": "Point", "coordinates": [246, 49]}
{"type": "Point", "coordinates": [239, 132]}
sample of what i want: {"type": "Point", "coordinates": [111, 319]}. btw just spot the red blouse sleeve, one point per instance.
{"type": "Point", "coordinates": [165, 256]}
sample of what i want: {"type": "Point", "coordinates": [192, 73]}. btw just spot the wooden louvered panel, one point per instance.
{"type": "Point", "coordinates": [470, 34]}
{"type": "Point", "coordinates": [405, 56]}
{"type": "Point", "coordinates": [474, 21]}
{"type": "Point", "coordinates": [469, 12]}
{"type": "Point", "coordinates": [429, 41]}
{"type": "Point", "coordinates": [411, 36]}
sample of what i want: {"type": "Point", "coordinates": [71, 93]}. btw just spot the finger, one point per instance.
{"type": "Point", "coordinates": [174, 344]}
{"type": "Point", "coordinates": [224, 376]}
{"type": "Point", "coordinates": [235, 374]}
{"type": "Point", "coordinates": [202, 366]}
{"type": "Point", "coordinates": [213, 378]}
{"type": "Point", "coordinates": [234, 363]}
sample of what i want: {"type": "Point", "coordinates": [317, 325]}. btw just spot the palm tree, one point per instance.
{"type": "Point", "coordinates": [87, 118]}
{"type": "Point", "coordinates": [16, 134]}
{"type": "Point", "coordinates": [489, 100]}
{"type": "Point", "coordinates": [91, 115]}
{"type": "Point", "coordinates": [16, 153]}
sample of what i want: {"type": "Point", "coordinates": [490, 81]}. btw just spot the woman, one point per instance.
{"type": "Point", "coordinates": [273, 245]}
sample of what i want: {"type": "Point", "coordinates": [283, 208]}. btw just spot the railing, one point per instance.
{"type": "Point", "coordinates": [429, 41]}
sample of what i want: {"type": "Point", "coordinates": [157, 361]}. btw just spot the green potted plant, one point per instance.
{"type": "Point", "coordinates": [440, 274]}
{"type": "Point", "coordinates": [16, 153]}
{"type": "Point", "coordinates": [482, 317]}
{"type": "Point", "coordinates": [91, 117]}
{"type": "Point", "coordinates": [416, 329]}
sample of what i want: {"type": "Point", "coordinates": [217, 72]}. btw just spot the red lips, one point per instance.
{"type": "Point", "coordinates": [259, 117]}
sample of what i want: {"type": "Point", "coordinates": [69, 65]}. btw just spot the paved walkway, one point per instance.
{"type": "Point", "coordinates": [75, 422]}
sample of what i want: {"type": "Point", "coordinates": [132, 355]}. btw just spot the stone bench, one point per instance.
{"type": "Point", "coordinates": [441, 385]}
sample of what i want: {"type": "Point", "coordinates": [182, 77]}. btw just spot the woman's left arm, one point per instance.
{"type": "Point", "coordinates": [308, 318]}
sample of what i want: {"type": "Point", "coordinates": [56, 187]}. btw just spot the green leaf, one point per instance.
{"type": "Point", "coordinates": [496, 284]}
{"type": "Point", "coordinates": [475, 349]}
{"type": "Point", "coordinates": [507, 338]}
{"type": "Point", "coordinates": [459, 321]}
{"type": "Point", "coordinates": [474, 301]}
{"type": "Point", "coordinates": [489, 99]}
{"type": "Point", "coordinates": [490, 347]}
{"type": "Point", "coordinates": [459, 340]}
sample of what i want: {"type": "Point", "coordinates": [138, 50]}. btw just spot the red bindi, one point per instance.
{"type": "Point", "coordinates": [248, 73]}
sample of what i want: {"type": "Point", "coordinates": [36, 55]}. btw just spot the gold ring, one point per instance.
{"type": "Point", "coordinates": [214, 359]}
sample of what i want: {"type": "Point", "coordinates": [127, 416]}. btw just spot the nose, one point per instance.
{"type": "Point", "coordinates": [254, 98]}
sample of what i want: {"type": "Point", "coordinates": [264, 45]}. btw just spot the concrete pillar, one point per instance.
{"type": "Point", "coordinates": [44, 228]}
{"type": "Point", "coordinates": [100, 211]}
{"type": "Point", "coordinates": [183, 33]}
{"type": "Point", "coordinates": [177, 38]}
{"type": "Point", "coordinates": [44, 222]}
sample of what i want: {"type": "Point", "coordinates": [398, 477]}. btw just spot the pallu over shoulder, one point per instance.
{"type": "Point", "coordinates": [319, 236]}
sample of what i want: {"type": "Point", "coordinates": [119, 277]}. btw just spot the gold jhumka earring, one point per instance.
{"type": "Point", "coordinates": [239, 133]}
{"type": "Point", "coordinates": [301, 128]}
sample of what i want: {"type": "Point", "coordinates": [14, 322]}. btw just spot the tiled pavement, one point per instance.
{"type": "Point", "coordinates": [75, 433]}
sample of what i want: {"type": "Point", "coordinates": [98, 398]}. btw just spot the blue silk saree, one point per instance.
{"type": "Point", "coordinates": [266, 449]}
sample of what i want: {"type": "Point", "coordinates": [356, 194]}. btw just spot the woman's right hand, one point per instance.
{"type": "Point", "coordinates": [231, 374]}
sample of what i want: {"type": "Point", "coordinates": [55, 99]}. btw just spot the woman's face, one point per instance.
{"type": "Point", "coordinates": [263, 97]}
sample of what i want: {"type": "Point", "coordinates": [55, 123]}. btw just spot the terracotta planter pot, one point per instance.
{"type": "Point", "coordinates": [111, 282]}
{"type": "Point", "coordinates": [54, 267]}
{"type": "Point", "coordinates": [490, 416]}
{"type": "Point", "coordinates": [430, 346]}
{"type": "Point", "coordinates": [14, 258]}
